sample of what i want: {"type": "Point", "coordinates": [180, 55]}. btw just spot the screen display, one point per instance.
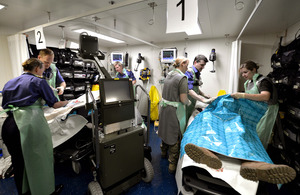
{"type": "Point", "coordinates": [116, 57]}
{"type": "Point", "coordinates": [116, 90]}
{"type": "Point", "coordinates": [168, 55]}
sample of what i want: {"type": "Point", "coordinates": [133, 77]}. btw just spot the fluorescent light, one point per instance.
{"type": "Point", "coordinates": [2, 6]}
{"type": "Point", "coordinates": [74, 45]}
{"type": "Point", "coordinates": [100, 36]}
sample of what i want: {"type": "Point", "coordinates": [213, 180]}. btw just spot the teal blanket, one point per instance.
{"type": "Point", "coordinates": [228, 126]}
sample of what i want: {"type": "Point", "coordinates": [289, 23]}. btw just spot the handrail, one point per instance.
{"type": "Point", "coordinates": [95, 123]}
{"type": "Point", "coordinates": [148, 113]}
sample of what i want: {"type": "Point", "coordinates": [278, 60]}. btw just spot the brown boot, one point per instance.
{"type": "Point", "coordinates": [172, 168]}
{"type": "Point", "coordinates": [275, 174]}
{"type": "Point", "coordinates": [202, 155]}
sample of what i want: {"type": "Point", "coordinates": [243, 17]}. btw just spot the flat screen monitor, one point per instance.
{"type": "Point", "coordinates": [116, 57]}
{"type": "Point", "coordinates": [117, 100]}
{"type": "Point", "coordinates": [114, 91]}
{"type": "Point", "coordinates": [168, 55]}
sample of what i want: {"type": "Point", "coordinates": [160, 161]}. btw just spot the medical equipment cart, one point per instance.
{"type": "Point", "coordinates": [120, 161]}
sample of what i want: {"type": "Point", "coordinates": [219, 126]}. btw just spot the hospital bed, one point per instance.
{"type": "Point", "coordinates": [193, 178]}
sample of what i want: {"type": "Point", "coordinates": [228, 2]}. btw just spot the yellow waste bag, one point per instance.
{"type": "Point", "coordinates": [154, 98]}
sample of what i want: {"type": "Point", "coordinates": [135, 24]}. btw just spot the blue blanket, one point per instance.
{"type": "Point", "coordinates": [228, 126]}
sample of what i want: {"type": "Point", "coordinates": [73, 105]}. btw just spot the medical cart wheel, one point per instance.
{"type": "Point", "coordinates": [94, 188]}
{"type": "Point", "coordinates": [148, 172]}
{"type": "Point", "coordinates": [76, 166]}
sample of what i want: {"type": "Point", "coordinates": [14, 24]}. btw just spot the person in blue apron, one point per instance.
{"type": "Point", "coordinates": [52, 74]}
{"type": "Point", "coordinates": [194, 83]}
{"type": "Point", "coordinates": [124, 73]}
{"type": "Point", "coordinates": [257, 88]}
{"type": "Point", "coordinates": [26, 132]}
{"type": "Point", "coordinates": [172, 119]}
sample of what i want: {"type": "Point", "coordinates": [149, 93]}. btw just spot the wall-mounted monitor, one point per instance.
{"type": "Point", "coordinates": [117, 56]}
{"type": "Point", "coordinates": [168, 55]}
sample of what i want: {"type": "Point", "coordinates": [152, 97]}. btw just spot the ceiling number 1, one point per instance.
{"type": "Point", "coordinates": [182, 8]}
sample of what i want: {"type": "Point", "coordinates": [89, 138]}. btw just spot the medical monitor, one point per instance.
{"type": "Point", "coordinates": [117, 57]}
{"type": "Point", "coordinates": [117, 100]}
{"type": "Point", "coordinates": [168, 55]}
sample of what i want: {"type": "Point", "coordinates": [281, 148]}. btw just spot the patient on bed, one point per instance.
{"type": "Point", "coordinates": [228, 127]}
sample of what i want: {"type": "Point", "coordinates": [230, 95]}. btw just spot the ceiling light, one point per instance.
{"type": "Point", "coordinates": [2, 6]}
{"type": "Point", "coordinates": [100, 36]}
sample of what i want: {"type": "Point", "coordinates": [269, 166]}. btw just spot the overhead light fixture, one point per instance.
{"type": "Point", "coordinates": [100, 36]}
{"type": "Point", "coordinates": [2, 6]}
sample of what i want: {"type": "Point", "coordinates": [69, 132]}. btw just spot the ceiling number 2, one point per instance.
{"type": "Point", "coordinates": [182, 8]}
{"type": "Point", "coordinates": [39, 34]}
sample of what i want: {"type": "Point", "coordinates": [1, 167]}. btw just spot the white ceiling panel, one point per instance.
{"type": "Point", "coordinates": [216, 17]}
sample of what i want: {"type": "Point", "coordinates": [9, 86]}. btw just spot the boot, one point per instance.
{"type": "Point", "coordinates": [172, 168]}
{"type": "Point", "coordinates": [203, 155]}
{"type": "Point", "coordinates": [275, 174]}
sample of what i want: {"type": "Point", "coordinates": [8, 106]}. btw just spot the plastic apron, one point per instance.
{"type": "Point", "coordinates": [190, 109]}
{"type": "Point", "coordinates": [265, 126]}
{"type": "Point", "coordinates": [52, 80]}
{"type": "Point", "coordinates": [36, 143]}
{"type": "Point", "coordinates": [180, 109]}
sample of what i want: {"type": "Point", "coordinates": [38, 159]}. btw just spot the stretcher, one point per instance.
{"type": "Point", "coordinates": [192, 177]}
{"type": "Point", "coordinates": [65, 123]}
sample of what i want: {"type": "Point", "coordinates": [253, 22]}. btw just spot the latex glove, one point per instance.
{"type": "Point", "coordinates": [238, 95]}
{"type": "Point", "coordinates": [60, 90]}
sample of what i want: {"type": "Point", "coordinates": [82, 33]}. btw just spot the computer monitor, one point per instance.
{"type": "Point", "coordinates": [88, 46]}
{"type": "Point", "coordinates": [116, 57]}
{"type": "Point", "coordinates": [117, 100]}
{"type": "Point", "coordinates": [168, 55]}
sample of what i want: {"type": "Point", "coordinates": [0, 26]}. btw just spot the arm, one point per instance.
{"type": "Point", "coordinates": [62, 84]}
{"type": "Point", "coordinates": [263, 96]}
{"type": "Point", "coordinates": [132, 77]}
{"type": "Point", "coordinates": [60, 104]}
{"type": "Point", "coordinates": [196, 96]}
{"type": "Point", "coordinates": [204, 95]}
{"type": "Point", "coordinates": [47, 94]}
{"type": "Point", "coordinates": [184, 99]}
{"type": "Point", "coordinates": [265, 89]}
{"type": "Point", "coordinates": [61, 88]}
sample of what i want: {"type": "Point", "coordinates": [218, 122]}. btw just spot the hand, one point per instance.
{"type": "Point", "coordinates": [207, 96]}
{"type": "Point", "coordinates": [210, 100]}
{"type": "Point", "coordinates": [238, 95]}
{"type": "Point", "coordinates": [60, 90]}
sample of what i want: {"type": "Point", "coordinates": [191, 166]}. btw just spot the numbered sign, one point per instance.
{"type": "Point", "coordinates": [182, 16]}
{"type": "Point", "coordinates": [40, 38]}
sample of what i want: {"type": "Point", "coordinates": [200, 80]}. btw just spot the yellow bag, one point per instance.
{"type": "Point", "coordinates": [154, 98]}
